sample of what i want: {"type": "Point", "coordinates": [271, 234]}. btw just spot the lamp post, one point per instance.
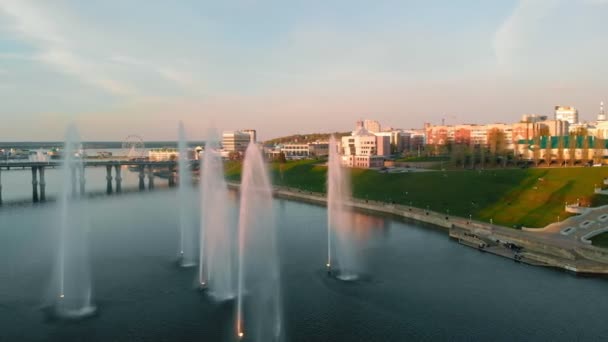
{"type": "Point", "coordinates": [470, 218]}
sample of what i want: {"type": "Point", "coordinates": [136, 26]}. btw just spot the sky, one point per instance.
{"type": "Point", "coordinates": [117, 68]}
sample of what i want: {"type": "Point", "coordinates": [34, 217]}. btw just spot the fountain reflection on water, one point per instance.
{"type": "Point", "coordinates": [72, 290]}
{"type": "Point", "coordinates": [259, 316]}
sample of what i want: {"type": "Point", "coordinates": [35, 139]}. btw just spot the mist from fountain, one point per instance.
{"type": "Point", "coordinates": [259, 316]}
{"type": "Point", "coordinates": [341, 245]}
{"type": "Point", "coordinates": [72, 290]}
{"type": "Point", "coordinates": [185, 201]}
{"type": "Point", "coordinates": [217, 231]}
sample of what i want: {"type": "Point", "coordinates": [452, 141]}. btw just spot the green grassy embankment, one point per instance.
{"type": "Point", "coordinates": [510, 197]}
{"type": "Point", "coordinates": [600, 240]}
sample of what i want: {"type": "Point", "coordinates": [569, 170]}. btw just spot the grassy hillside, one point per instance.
{"type": "Point", "coordinates": [511, 197]}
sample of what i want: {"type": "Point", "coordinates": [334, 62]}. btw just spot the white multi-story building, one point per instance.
{"type": "Point", "coordinates": [566, 113]}
{"type": "Point", "coordinates": [235, 141]}
{"type": "Point", "coordinates": [297, 151]}
{"type": "Point", "coordinates": [163, 154]}
{"type": "Point", "coordinates": [360, 149]}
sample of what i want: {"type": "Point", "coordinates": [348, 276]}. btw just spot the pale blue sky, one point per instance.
{"type": "Point", "coordinates": [282, 67]}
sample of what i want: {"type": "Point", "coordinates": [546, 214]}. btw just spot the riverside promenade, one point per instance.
{"type": "Point", "coordinates": [530, 247]}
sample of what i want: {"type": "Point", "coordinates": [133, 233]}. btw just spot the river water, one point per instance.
{"type": "Point", "coordinates": [419, 285]}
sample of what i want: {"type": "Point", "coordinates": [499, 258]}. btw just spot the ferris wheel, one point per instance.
{"type": "Point", "coordinates": [134, 146]}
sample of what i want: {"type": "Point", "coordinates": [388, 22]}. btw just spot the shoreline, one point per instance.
{"type": "Point", "coordinates": [525, 246]}
{"type": "Point", "coordinates": [521, 246]}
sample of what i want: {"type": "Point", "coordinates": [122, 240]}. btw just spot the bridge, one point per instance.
{"type": "Point", "coordinates": [145, 168]}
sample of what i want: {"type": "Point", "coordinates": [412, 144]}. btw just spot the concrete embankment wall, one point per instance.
{"type": "Point", "coordinates": [536, 248]}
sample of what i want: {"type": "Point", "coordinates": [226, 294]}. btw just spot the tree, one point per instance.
{"type": "Point", "coordinates": [598, 153]}
{"type": "Point", "coordinates": [581, 131]}
{"type": "Point", "coordinates": [496, 144]}
{"type": "Point", "coordinates": [560, 150]}
{"type": "Point", "coordinates": [457, 156]}
{"type": "Point", "coordinates": [571, 149]}
{"type": "Point", "coordinates": [281, 158]}
{"type": "Point", "coordinates": [548, 150]}
{"type": "Point", "coordinates": [472, 155]}
{"type": "Point", "coordinates": [536, 149]}
{"type": "Point", "coordinates": [585, 149]}
{"type": "Point", "coordinates": [516, 150]}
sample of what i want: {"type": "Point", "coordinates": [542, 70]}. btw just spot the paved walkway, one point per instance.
{"type": "Point", "coordinates": [575, 227]}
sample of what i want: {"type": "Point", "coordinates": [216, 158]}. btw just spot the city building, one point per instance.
{"type": "Point", "coordinates": [319, 149]}
{"type": "Point", "coordinates": [252, 134]}
{"type": "Point", "coordinates": [360, 149]}
{"type": "Point", "coordinates": [235, 141]}
{"type": "Point", "coordinates": [163, 154]}
{"type": "Point", "coordinates": [465, 134]}
{"type": "Point", "coordinates": [417, 139]}
{"type": "Point", "coordinates": [383, 143]}
{"type": "Point", "coordinates": [530, 126]}
{"type": "Point", "coordinates": [601, 116]}
{"type": "Point", "coordinates": [372, 126]}
{"type": "Point", "coordinates": [300, 151]}
{"type": "Point", "coordinates": [566, 113]}
{"type": "Point", "coordinates": [295, 151]}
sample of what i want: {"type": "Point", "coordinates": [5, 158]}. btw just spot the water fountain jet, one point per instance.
{"type": "Point", "coordinates": [341, 247]}
{"type": "Point", "coordinates": [185, 194]}
{"type": "Point", "coordinates": [217, 234]}
{"type": "Point", "coordinates": [259, 299]}
{"type": "Point", "coordinates": [71, 291]}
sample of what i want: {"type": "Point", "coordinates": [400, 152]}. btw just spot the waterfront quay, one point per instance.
{"type": "Point", "coordinates": [145, 169]}
{"type": "Point", "coordinates": [525, 246]}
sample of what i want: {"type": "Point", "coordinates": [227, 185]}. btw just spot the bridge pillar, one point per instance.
{"type": "Point", "coordinates": [118, 179]}
{"type": "Point", "coordinates": [0, 186]}
{"type": "Point", "coordinates": [35, 183]}
{"type": "Point", "coordinates": [142, 185]}
{"type": "Point", "coordinates": [82, 180]}
{"type": "Point", "coordinates": [42, 184]}
{"type": "Point", "coordinates": [172, 176]}
{"type": "Point", "coordinates": [109, 179]}
{"type": "Point", "coordinates": [150, 178]}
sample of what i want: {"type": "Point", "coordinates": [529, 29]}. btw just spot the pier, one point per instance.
{"type": "Point", "coordinates": [78, 174]}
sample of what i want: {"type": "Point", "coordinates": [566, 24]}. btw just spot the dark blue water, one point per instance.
{"type": "Point", "coordinates": [419, 285]}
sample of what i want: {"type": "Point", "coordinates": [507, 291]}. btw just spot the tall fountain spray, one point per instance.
{"type": "Point", "coordinates": [341, 246]}
{"type": "Point", "coordinates": [259, 316]}
{"type": "Point", "coordinates": [72, 291]}
{"type": "Point", "coordinates": [185, 193]}
{"type": "Point", "coordinates": [217, 234]}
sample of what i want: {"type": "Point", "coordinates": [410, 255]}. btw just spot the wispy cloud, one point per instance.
{"type": "Point", "coordinates": [178, 77]}
{"type": "Point", "coordinates": [56, 50]}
